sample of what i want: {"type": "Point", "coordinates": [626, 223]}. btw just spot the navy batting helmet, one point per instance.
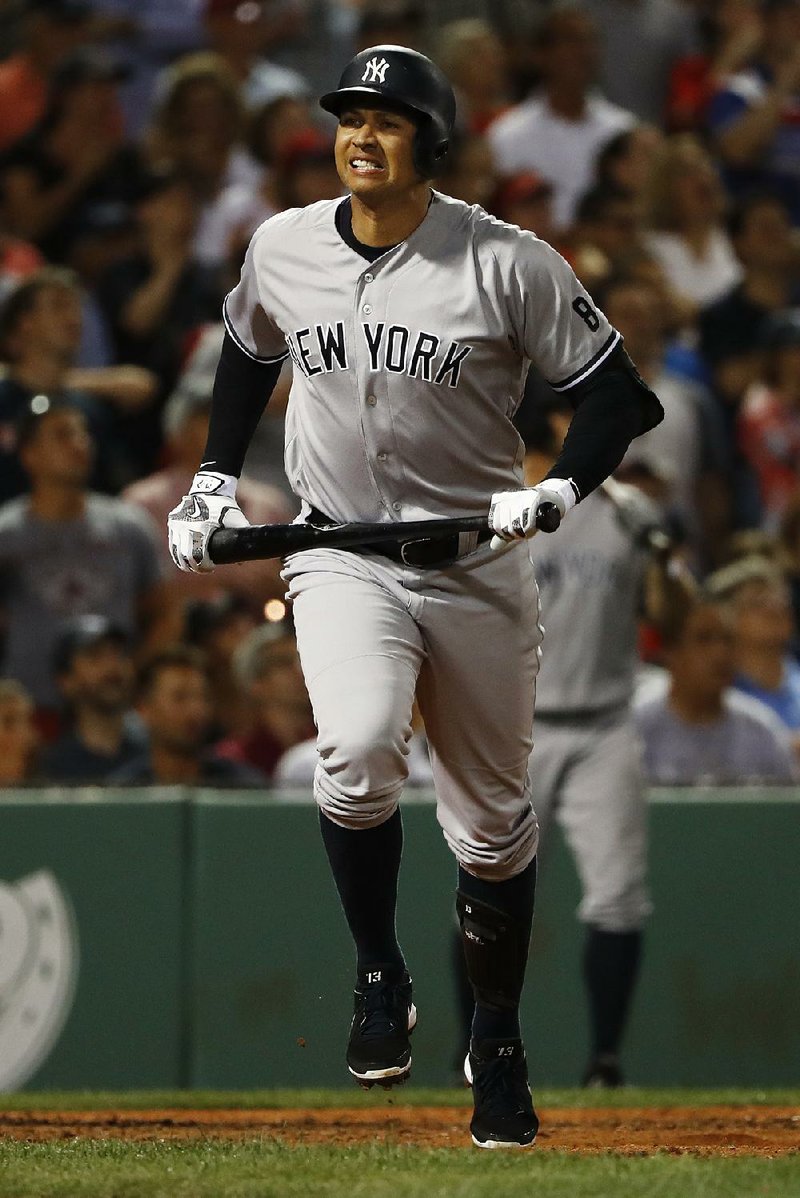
{"type": "Point", "coordinates": [401, 78]}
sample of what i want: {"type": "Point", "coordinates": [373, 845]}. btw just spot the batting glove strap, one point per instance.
{"type": "Point", "coordinates": [512, 514]}
{"type": "Point", "coordinates": [191, 523]}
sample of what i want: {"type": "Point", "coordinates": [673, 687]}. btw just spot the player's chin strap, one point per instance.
{"type": "Point", "coordinates": [495, 950]}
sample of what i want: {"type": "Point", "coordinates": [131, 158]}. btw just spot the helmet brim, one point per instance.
{"type": "Point", "coordinates": [368, 97]}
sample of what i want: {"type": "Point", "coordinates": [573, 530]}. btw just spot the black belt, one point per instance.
{"type": "Point", "coordinates": [430, 552]}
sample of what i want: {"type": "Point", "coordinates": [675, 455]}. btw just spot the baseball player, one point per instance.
{"type": "Point", "coordinates": [595, 579]}
{"type": "Point", "coordinates": [411, 319]}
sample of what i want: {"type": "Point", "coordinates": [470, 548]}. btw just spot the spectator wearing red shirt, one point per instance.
{"type": "Point", "coordinates": [769, 422]}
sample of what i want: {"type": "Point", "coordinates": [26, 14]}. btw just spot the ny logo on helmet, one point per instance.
{"type": "Point", "coordinates": [376, 71]}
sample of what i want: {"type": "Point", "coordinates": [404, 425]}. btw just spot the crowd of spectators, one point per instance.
{"type": "Point", "coordinates": [654, 143]}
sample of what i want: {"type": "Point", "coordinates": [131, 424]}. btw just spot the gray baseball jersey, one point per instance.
{"type": "Point", "coordinates": [590, 577]}
{"type": "Point", "coordinates": [586, 765]}
{"type": "Point", "coordinates": [409, 369]}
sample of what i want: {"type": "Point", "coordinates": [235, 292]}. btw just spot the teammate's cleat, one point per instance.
{"type": "Point", "coordinates": [603, 1073]}
{"type": "Point", "coordinates": [379, 1050]}
{"type": "Point", "coordinates": [504, 1116]}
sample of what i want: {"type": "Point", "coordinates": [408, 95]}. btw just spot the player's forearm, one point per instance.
{"type": "Point", "coordinates": [242, 387]}
{"type": "Point", "coordinates": [613, 407]}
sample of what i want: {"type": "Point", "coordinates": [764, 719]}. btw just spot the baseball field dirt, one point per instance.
{"type": "Point", "coordinates": [718, 1130]}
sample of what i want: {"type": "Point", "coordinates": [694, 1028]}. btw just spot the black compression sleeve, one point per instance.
{"type": "Point", "coordinates": [612, 406]}
{"type": "Point", "coordinates": [242, 387]}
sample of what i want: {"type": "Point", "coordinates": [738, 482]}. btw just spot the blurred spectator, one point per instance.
{"type": "Point", "coordinates": [175, 708]}
{"type": "Point", "coordinates": [755, 114]}
{"type": "Point", "coordinates": [75, 159]}
{"type": "Point", "coordinates": [94, 671]}
{"type": "Point", "coordinates": [789, 541]}
{"type": "Point", "coordinates": [697, 730]}
{"type": "Point", "coordinates": [40, 333]}
{"type": "Point", "coordinates": [146, 35]}
{"type": "Point", "coordinates": [19, 739]}
{"type": "Point", "coordinates": [66, 552]}
{"type": "Point", "coordinates": [758, 595]}
{"type": "Point", "coordinates": [239, 32]}
{"type": "Point", "coordinates": [198, 132]}
{"type": "Point", "coordinates": [469, 173]}
{"type": "Point", "coordinates": [390, 23]}
{"type": "Point", "coordinates": [607, 227]}
{"type": "Point", "coordinates": [474, 59]}
{"type": "Point", "coordinates": [559, 130]}
{"type": "Point", "coordinates": [769, 419]}
{"type": "Point", "coordinates": [684, 209]}
{"type": "Point", "coordinates": [268, 670]}
{"type": "Point", "coordinates": [18, 258]}
{"type": "Point", "coordinates": [639, 41]}
{"type": "Point", "coordinates": [218, 627]}
{"type": "Point", "coordinates": [305, 171]}
{"type": "Point", "coordinates": [625, 161]}
{"type": "Point", "coordinates": [51, 30]}
{"type": "Point", "coordinates": [730, 32]}
{"type": "Point", "coordinates": [526, 200]}
{"type": "Point", "coordinates": [683, 448]}
{"type": "Point", "coordinates": [731, 329]}
{"type": "Point", "coordinates": [158, 296]}
{"type": "Point", "coordinates": [186, 429]}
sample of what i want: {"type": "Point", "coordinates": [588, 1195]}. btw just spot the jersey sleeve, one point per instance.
{"type": "Point", "coordinates": [555, 323]}
{"type": "Point", "coordinates": [250, 326]}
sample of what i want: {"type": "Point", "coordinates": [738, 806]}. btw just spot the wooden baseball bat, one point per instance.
{"type": "Point", "coordinates": [278, 540]}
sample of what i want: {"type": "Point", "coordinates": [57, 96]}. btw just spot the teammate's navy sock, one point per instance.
{"type": "Point", "coordinates": [610, 969]}
{"type": "Point", "coordinates": [515, 898]}
{"type": "Point", "coordinates": [365, 864]}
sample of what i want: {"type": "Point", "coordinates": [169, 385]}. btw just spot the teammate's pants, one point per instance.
{"type": "Point", "coordinates": [370, 634]}
{"type": "Point", "coordinates": [589, 778]}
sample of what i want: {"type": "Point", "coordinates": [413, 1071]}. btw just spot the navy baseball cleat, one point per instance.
{"type": "Point", "coordinates": [379, 1049]}
{"type": "Point", "coordinates": [504, 1116]}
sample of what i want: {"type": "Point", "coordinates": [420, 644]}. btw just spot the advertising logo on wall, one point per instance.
{"type": "Point", "coordinates": [38, 971]}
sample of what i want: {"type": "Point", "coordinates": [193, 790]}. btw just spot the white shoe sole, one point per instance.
{"type": "Point", "coordinates": [502, 1143]}
{"type": "Point", "coordinates": [398, 1072]}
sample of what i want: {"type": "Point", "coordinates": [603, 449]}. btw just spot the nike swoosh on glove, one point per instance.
{"type": "Point", "coordinates": [512, 514]}
{"type": "Point", "coordinates": [191, 523]}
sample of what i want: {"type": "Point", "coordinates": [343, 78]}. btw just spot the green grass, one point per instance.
{"type": "Point", "coordinates": [261, 1167]}
{"type": "Point", "coordinates": [133, 1100]}
{"type": "Point", "coordinates": [98, 1169]}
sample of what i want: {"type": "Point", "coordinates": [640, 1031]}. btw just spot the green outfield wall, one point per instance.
{"type": "Point", "coordinates": [163, 938]}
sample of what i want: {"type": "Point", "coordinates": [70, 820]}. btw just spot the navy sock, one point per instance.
{"type": "Point", "coordinates": [365, 865]}
{"type": "Point", "coordinates": [610, 967]}
{"type": "Point", "coordinates": [515, 898]}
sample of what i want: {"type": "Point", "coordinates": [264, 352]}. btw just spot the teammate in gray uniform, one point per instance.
{"type": "Point", "coordinates": [597, 576]}
{"type": "Point", "coordinates": [411, 319]}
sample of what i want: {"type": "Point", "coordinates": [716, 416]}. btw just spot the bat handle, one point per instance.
{"type": "Point", "coordinates": [548, 517]}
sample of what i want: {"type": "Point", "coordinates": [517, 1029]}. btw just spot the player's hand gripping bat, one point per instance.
{"type": "Point", "coordinates": [259, 541]}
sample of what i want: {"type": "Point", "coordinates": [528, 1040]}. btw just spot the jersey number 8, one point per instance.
{"type": "Point", "coordinates": [586, 313]}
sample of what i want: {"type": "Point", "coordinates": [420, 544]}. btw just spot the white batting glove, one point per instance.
{"type": "Point", "coordinates": [210, 504]}
{"type": "Point", "coordinates": [512, 514]}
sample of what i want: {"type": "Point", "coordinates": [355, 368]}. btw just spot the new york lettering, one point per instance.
{"type": "Point", "coordinates": [322, 349]}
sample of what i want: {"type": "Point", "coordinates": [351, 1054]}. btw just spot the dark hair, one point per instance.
{"type": "Point", "coordinates": [595, 202]}
{"type": "Point", "coordinates": [22, 300]}
{"type": "Point", "coordinates": [173, 657]}
{"type": "Point", "coordinates": [739, 212]}
{"type": "Point", "coordinates": [614, 149]}
{"type": "Point", "coordinates": [37, 410]}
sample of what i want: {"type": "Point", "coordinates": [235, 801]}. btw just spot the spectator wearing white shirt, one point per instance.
{"type": "Point", "coordinates": [697, 730]}
{"type": "Point", "coordinates": [685, 208]}
{"type": "Point", "coordinates": [560, 129]}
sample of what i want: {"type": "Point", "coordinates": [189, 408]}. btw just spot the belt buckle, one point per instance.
{"type": "Point", "coordinates": [406, 545]}
{"type": "Point", "coordinates": [430, 552]}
